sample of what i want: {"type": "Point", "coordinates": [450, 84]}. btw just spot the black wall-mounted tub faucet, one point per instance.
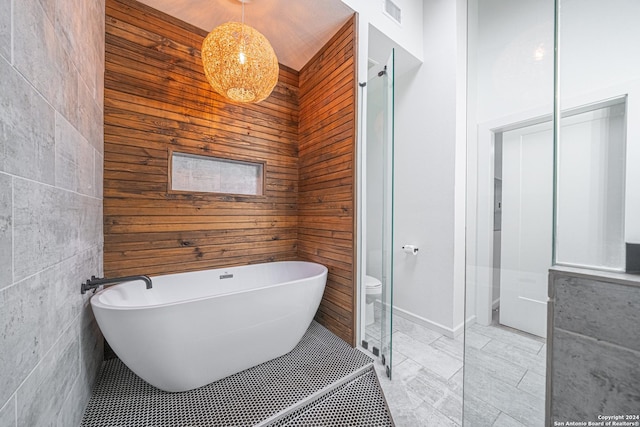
{"type": "Point", "coordinates": [96, 282]}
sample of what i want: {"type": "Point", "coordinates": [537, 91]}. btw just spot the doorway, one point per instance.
{"type": "Point", "coordinates": [523, 225]}
{"type": "Point", "coordinates": [589, 213]}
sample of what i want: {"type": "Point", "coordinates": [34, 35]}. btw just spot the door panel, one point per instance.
{"type": "Point", "coordinates": [527, 220]}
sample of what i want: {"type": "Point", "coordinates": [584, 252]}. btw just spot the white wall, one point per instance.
{"type": "Point", "coordinates": [408, 35]}
{"type": "Point", "coordinates": [599, 45]}
{"type": "Point", "coordinates": [514, 57]}
{"type": "Point", "coordinates": [429, 173]}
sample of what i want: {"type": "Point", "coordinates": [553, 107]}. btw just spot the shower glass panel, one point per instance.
{"type": "Point", "coordinates": [509, 221]}
{"type": "Point", "coordinates": [386, 325]}
{"type": "Point", "coordinates": [572, 119]}
{"type": "Point", "coordinates": [597, 198]}
{"type": "Point", "coordinates": [378, 214]}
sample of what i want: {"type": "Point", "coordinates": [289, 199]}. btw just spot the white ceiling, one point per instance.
{"type": "Point", "coordinates": [297, 29]}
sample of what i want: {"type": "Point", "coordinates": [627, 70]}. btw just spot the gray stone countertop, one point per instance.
{"type": "Point", "coordinates": [609, 276]}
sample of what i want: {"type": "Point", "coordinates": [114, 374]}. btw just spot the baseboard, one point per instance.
{"type": "Point", "coordinates": [471, 320]}
{"type": "Point", "coordinates": [434, 326]}
{"type": "Point", "coordinates": [458, 330]}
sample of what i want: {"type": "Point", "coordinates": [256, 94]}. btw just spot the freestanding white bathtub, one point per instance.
{"type": "Point", "coordinates": [194, 328]}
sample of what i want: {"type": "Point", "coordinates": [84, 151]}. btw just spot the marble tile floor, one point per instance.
{"type": "Point", "coordinates": [505, 376]}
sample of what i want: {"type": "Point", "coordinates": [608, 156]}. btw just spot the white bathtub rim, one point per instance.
{"type": "Point", "coordinates": [97, 302]}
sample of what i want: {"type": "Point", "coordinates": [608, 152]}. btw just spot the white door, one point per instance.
{"type": "Point", "coordinates": [527, 217]}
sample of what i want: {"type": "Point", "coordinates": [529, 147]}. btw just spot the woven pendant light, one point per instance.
{"type": "Point", "coordinates": [239, 62]}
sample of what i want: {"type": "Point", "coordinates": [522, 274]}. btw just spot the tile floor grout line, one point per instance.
{"type": "Point", "coordinates": [491, 338]}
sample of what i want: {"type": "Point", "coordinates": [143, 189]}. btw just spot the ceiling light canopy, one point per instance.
{"type": "Point", "coordinates": [239, 62]}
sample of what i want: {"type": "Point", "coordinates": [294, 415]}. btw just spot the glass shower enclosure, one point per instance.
{"type": "Point", "coordinates": [377, 215]}
{"type": "Point", "coordinates": [552, 129]}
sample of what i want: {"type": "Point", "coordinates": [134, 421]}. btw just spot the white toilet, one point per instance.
{"type": "Point", "coordinates": [373, 291]}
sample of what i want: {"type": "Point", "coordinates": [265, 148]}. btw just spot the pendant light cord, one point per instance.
{"type": "Point", "coordinates": [244, 45]}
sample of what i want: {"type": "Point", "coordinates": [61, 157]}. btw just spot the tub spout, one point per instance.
{"type": "Point", "coordinates": [95, 282]}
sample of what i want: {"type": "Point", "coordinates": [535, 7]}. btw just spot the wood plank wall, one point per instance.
{"type": "Point", "coordinates": [326, 189]}
{"type": "Point", "coordinates": [157, 99]}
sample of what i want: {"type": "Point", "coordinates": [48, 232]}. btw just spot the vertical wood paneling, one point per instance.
{"type": "Point", "coordinates": [326, 186]}
{"type": "Point", "coordinates": [156, 99]}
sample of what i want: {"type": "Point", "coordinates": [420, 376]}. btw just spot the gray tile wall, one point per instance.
{"type": "Point", "coordinates": [594, 350]}
{"type": "Point", "coordinates": [51, 239]}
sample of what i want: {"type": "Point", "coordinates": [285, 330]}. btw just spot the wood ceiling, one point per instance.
{"type": "Point", "coordinates": [296, 29]}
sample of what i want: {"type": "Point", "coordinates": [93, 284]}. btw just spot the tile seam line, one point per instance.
{"type": "Point", "coordinates": [316, 395]}
{"type": "Point", "coordinates": [502, 340]}
{"type": "Point", "coordinates": [7, 403]}
{"type": "Point", "coordinates": [599, 341]}
{"type": "Point", "coordinates": [54, 186]}
{"type": "Point", "coordinates": [40, 361]}
{"type": "Point", "coordinates": [49, 267]}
